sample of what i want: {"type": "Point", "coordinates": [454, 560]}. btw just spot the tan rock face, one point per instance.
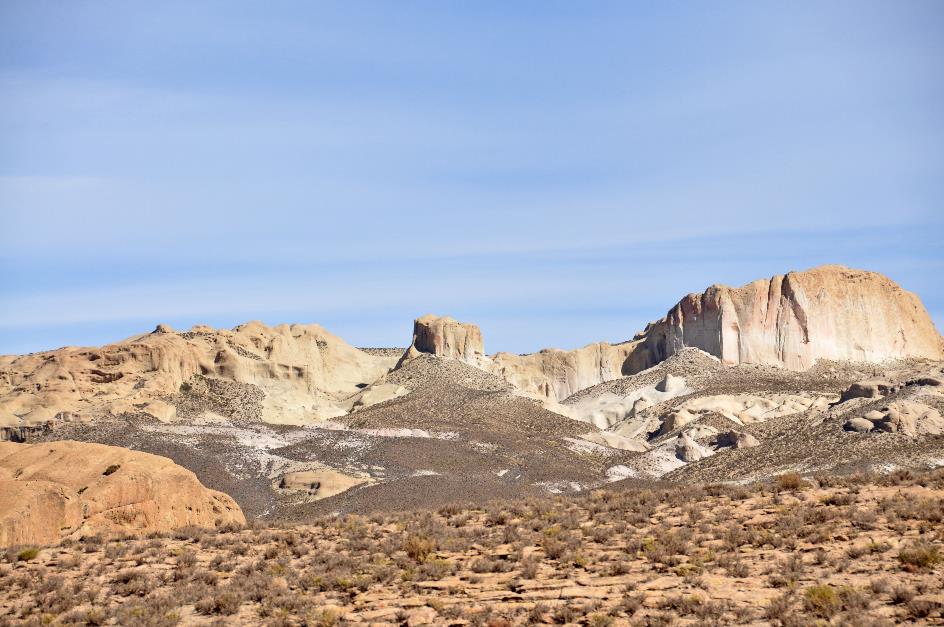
{"type": "Point", "coordinates": [298, 366]}
{"type": "Point", "coordinates": [446, 337]}
{"type": "Point", "coordinates": [53, 490]}
{"type": "Point", "coordinates": [553, 375]}
{"type": "Point", "coordinates": [830, 312]}
{"type": "Point", "coordinates": [687, 450]}
{"type": "Point", "coordinates": [308, 374]}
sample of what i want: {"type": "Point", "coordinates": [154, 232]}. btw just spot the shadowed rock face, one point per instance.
{"type": "Point", "coordinates": [831, 312]}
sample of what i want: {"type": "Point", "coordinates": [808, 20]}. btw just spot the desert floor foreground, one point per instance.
{"type": "Point", "coordinates": [860, 550]}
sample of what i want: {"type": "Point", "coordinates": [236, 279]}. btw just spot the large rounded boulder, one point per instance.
{"type": "Point", "coordinates": [53, 490]}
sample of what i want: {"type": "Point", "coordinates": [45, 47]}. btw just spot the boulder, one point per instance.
{"type": "Point", "coordinates": [687, 450]}
{"type": "Point", "coordinates": [378, 393]}
{"type": "Point", "coordinates": [671, 384]}
{"type": "Point", "coordinates": [736, 439]}
{"type": "Point", "coordinates": [858, 425]}
{"type": "Point", "coordinates": [676, 420]}
{"type": "Point", "coordinates": [53, 490]}
{"type": "Point", "coordinates": [895, 421]}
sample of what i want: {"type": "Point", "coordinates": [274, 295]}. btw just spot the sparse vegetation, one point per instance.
{"type": "Point", "coordinates": [622, 546]}
{"type": "Point", "coordinates": [919, 556]}
{"type": "Point", "coordinates": [821, 601]}
{"type": "Point", "coordinates": [790, 481]}
{"type": "Point", "coordinates": [27, 554]}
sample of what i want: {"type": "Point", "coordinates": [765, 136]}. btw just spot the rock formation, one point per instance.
{"type": "Point", "coordinates": [859, 425]}
{"type": "Point", "coordinates": [868, 389]}
{"type": "Point", "coordinates": [905, 417]}
{"type": "Point", "coordinates": [305, 374]}
{"type": "Point", "coordinates": [53, 490]}
{"type": "Point", "coordinates": [830, 312]}
{"type": "Point", "coordinates": [446, 337]}
{"type": "Point", "coordinates": [607, 409]}
{"type": "Point", "coordinates": [305, 371]}
{"type": "Point", "coordinates": [319, 484]}
{"type": "Point", "coordinates": [688, 450]}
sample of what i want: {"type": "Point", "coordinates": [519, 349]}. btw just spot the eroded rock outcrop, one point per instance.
{"type": "Point", "coordinates": [319, 484]}
{"type": "Point", "coordinates": [446, 337]}
{"type": "Point", "coordinates": [830, 312]}
{"type": "Point", "coordinates": [688, 450]}
{"type": "Point", "coordinates": [53, 490]}
{"type": "Point", "coordinates": [305, 374]}
{"type": "Point", "coordinates": [553, 375]}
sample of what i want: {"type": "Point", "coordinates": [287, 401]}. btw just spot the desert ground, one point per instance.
{"type": "Point", "coordinates": [859, 550]}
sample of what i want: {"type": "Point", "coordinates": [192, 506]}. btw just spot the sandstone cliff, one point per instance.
{"type": "Point", "coordinates": [53, 490]}
{"type": "Point", "coordinates": [830, 312]}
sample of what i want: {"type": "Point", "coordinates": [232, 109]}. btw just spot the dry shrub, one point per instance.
{"type": "Point", "coordinates": [225, 602]}
{"type": "Point", "coordinates": [419, 547]}
{"type": "Point", "coordinates": [919, 556]}
{"type": "Point", "coordinates": [790, 482]}
{"type": "Point", "coordinates": [822, 601]}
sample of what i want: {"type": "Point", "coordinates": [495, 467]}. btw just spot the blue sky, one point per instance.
{"type": "Point", "coordinates": [558, 172]}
